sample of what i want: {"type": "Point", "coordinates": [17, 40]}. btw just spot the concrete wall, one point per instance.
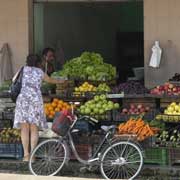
{"type": "Point", "coordinates": [15, 17]}
{"type": "Point", "coordinates": [162, 22]}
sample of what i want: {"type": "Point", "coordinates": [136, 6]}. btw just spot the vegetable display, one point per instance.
{"type": "Point", "coordinates": [130, 87]}
{"type": "Point", "coordinates": [88, 66]}
{"type": "Point", "coordinates": [170, 137]}
{"type": "Point", "coordinates": [56, 105]}
{"type": "Point", "coordinates": [87, 87]}
{"type": "Point", "coordinates": [135, 109]}
{"type": "Point", "coordinates": [99, 105]}
{"type": "Point", "coordinates": [138, 127]}
{"type": "Point", "coordinates": [9, 135]}
{"type": "Point", "coordinates": [166, 89]}
{"type": "Point", "coordinates": [5, 86]}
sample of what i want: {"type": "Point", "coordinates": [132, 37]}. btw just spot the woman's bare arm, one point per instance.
{"type": "Point", "coordinates": [52, 80]}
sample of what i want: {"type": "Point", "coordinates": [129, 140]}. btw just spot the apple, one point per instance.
{"type": "Point", "coordinates": [174, 89]}
{"type": "Point", "coordinates": [95, 111]}
{"type": "Point", "coordinates": [116, 105]}
{"type": "Point", "coordinates": [87, 111]}
{"type": "Point", "coordinates": [124, 110]}
{"type": "Point", "coordinates": [171, 86]}
{"type": "Point", "coordinates": [142, 110]}
{"type": "Point", "coordinates": [101, 111]}
{"type": "Point", "coordinates": [132, 106]}
{"type": "Point", "coordinates": [147, 109]}
{"type": "Point", "coordinates": [96, 98]}
{"type": "Point", "coordinates": [139, 106]}
{"type": "Point", "coordinates": [103, 97]}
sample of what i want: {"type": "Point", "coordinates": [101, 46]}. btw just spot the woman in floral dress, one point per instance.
{"type": "Point", "coordinates": [29, 111]}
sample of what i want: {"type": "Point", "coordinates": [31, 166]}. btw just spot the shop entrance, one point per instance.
{"type": "Point", "coordinates": [113, 29]}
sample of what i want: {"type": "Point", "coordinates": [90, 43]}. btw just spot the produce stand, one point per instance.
{"type": "Point", "coordinates": [99, 96]}
{"type": "Point", "coordinates": [155, 155]}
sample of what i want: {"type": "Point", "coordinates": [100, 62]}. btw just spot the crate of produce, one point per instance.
{"type": "Point", "coordinates": [112, 82]}
{"type": "Point", "coordinates": [157, 156]}
{"type": "Point", "coordinates": [5, 123]}
{"type": "Point", "coordinates": [117, 116]}
{"type": "Point", "coordinates": [166, 101]}
{"type": "Point", "coordinates": [174, 156]}
{"type": "Point", "coordinates": [11, 151]}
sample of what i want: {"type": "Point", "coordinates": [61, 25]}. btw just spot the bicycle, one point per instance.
{"type": "Point", "coordinates": [117, 158]}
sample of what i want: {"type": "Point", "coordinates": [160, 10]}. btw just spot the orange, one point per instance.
{"type": "Point", "coordinates": [59, 106]}
{"type": "Point", "coordinates": [57, 110]}
{"type": "Point", "coordinates": [54, 104]}
{"type": "Point", "coordinates": [45, 105]}
{"type": "Point", "coordinates": [60, 102]}
{"type": "Point", "coordinates": [55, 100]}
{"type": "Point", "coordinates": [46, 112]}
{"type": "Point", "coordinates": [52, 113]}
{"type": "Point", "coordinates": [50, 108]}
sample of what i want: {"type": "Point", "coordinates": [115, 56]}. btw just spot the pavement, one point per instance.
{"type": "Point", "coordinates": [30, 177]}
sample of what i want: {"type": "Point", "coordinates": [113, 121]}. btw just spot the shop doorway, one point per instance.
{"type": "Point", "coordinates": [113, 29]}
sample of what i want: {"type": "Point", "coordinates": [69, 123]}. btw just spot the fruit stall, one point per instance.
{"type": "Point", "coordinates": [153, 115]}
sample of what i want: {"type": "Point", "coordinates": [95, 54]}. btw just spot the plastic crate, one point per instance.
{"type": "Point", "coordinates": [174, 156]}
{"type": "Point", "coordinates": [11, 151]}
{"type": "Point", "coordinates": [157, 156]}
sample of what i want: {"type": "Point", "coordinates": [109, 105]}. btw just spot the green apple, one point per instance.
{"type": "Point", "coordinates": [92, 106]}
{"type": "Point", "coordinates": [82, 107]}
{"type": "Point", "coordinates": [87, 111]}
{"type": "Point", "coordinates": [103, 97]}
{"type": "Point", "coordinates": [82, 111]}
{"type": "Point", "coordinates": [101, 111]}
{"type": "Point", "coordinates": [116, 106]}
{"type": "Point", "coordinates": [98, 105]}
{"type": "Point", "coordinates": [104, 106]}
{"type": "Point", "coordinates": [95, 111]}
{"type": "Point", "coordinates": [96, 98]}
{"type": "Point", "coordinates": [110, 106]}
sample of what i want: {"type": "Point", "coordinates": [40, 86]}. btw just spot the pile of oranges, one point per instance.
{"type": "Point", "coordinates": [55, 106]}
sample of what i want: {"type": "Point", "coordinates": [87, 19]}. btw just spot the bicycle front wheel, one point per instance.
{"type": "Point", "coordinates": [122, 160]}
{"type": "Point", "coordinates": [48, 158]}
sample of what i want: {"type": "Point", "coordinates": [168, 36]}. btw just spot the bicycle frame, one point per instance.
{"type": "Point", "coordinates": [96, 155]}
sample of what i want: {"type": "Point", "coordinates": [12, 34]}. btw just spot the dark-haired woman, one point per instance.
{"type": "Point", "coordinates": [29, 112]}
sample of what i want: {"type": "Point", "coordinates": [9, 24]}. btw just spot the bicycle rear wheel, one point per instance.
{"type": "Point", "coordinates": [48, 158]}
{"type": "Point", "coordinates": [122, 160]}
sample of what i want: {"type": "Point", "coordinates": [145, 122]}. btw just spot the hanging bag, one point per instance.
{"type": "Point", "coordinates": [16, 85]}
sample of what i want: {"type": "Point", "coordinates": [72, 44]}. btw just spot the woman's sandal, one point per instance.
{"type": "Point", "coordinates": [26, 158]}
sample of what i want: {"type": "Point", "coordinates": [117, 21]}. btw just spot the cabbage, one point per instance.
{"type": "Point", "coordinates": [88, 66]}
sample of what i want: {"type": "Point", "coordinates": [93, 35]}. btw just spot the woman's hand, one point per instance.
{"type": "Point", "coordinates": [53, 80]}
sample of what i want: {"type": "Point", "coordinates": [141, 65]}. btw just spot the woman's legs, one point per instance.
{"type": "Point", "coordinates": [25, 127]}
{"type": "Point", "coordinates": [34, 136]}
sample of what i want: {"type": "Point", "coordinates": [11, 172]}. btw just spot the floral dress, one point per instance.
{"type": "Point", "coordinates": [29, 104]}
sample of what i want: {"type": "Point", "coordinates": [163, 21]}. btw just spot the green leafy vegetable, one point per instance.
{"type": "Point", "coordinates": [88, 66]}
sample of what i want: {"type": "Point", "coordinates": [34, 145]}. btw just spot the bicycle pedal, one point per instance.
{"type": "Point", "coordinates": [83, 169]}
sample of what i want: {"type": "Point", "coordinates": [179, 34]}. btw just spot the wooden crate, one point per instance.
{"type": "Point", "coordinates": [164, 102]}
{"type": "Point", "coordinates": [151, 102]}
{"type": "Point", "coordinates": [84, 151]}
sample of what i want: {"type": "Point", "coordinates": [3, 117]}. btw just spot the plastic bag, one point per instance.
{"type": "Point", "coordinates": [156, 56]}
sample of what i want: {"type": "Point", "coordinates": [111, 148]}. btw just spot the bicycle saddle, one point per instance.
{"type": "Point", "coordinates": [107, 128]}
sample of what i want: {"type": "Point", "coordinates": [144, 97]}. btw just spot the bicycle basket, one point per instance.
{"type": "Point", "coordinates": [61, 124]}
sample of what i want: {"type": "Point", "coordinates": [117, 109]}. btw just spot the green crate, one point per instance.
{"type": "Point", "coordinates": [156, 156]}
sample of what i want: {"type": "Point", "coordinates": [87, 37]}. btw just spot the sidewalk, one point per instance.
{"type": "Point", "coordinates": [30, 177]}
